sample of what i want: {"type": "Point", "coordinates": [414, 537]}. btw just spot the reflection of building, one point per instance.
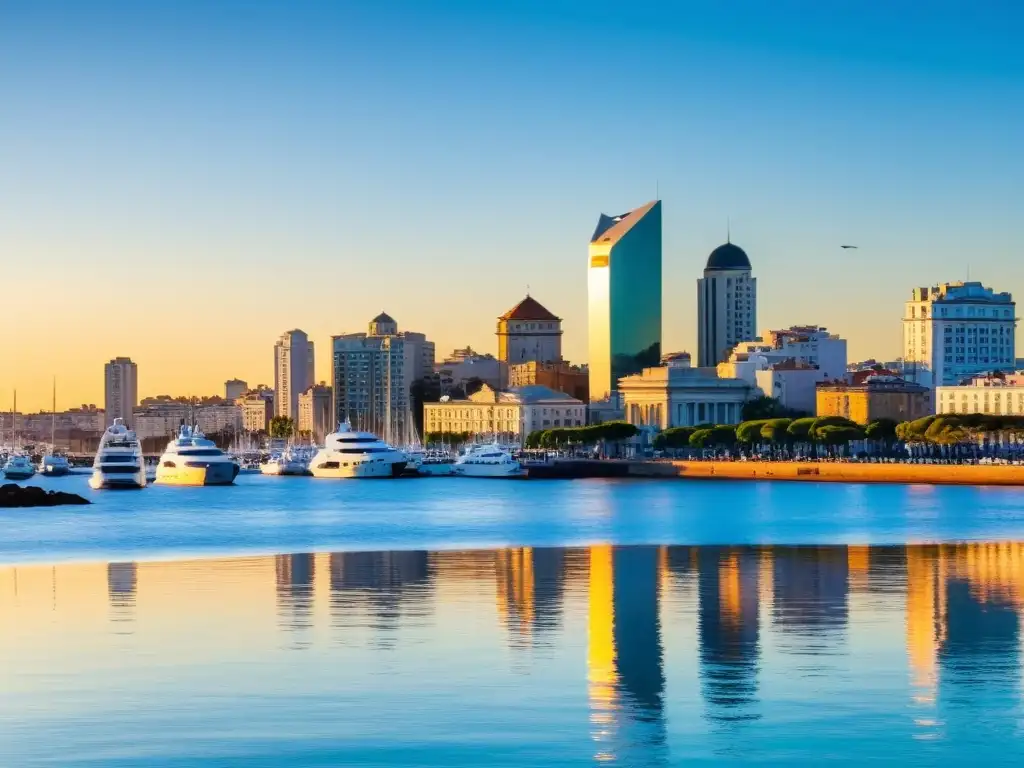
{"type": "Point", "coordinates": [810, 590]}
{"type": "Point", "coordinates": [122, 583]}
{"type": "Point", "coordinates": [529, 332]}
{"type": "Point", "coordinates": [677, 395]}
{"type": "Point", "coordinates": [529, 589]}
{"type": "Point", "coordinates": [726, 304]}
{"type": "Point", "coordinates": [879, 397]}
{"type": "Point", "coordinates": [625, 675]}
{"type": "Point", "coordinates": [728, 599]}
{"type": "Point", "coordinates": [376, 582]}
{"type": "Point", "coordinates": [624, 297]}
{"type": "Point", "coordinates": [293, 576]}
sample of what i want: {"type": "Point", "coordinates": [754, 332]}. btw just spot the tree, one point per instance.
{"type": "Point", "coordinates": [835, 435]}
{"type": "Point", "coordinates": [829, 421]}
{"type": "Point", "coordinates": [282, 426]}
{"type": "Point", "coordinates": [674, 437]}
{"type": "Point", "coordinates": [749, 432]}
{"type": "Point", "coordinates": [723, 435]}
{"type": "Point", "coordinates": [776, 431]}
{"type": "Point", "coordinates": [882, 431]}
{"type": "Point", "coordinates": [800, 429]}
{"type": "Point", "coordinates": [761, 408]}
{"type": "Point", "coordinates": [701, 438]}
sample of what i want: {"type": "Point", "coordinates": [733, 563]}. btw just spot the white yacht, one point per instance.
{"type": "Point", "coordinates": [291, 461]}
{"type": "Point", "coordinates": [436, 463]}
{"type": "Point", "coordinates": [191, 459]}
{"type": "Point", "coordinates": [347, 453]}
{"type": "Point", "coordinates": [487, 461]}
{"type": "Point", "coordinates": [19, 467]}
{"type": "Point", "coordinates": [119, 462]}
{"type": "Point", "coordinates": [54, 465]}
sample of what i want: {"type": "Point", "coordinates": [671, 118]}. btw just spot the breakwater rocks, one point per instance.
{"type": "Point", "coordinates": [12, 495]}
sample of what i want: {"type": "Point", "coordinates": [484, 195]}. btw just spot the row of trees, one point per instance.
{"type": "Point", "coordinates": [608, 432]}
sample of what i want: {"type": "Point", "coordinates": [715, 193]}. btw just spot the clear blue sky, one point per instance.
{"type": "Point", "coordinates": [308, 164]}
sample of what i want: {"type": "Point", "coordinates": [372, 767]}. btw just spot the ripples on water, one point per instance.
{"type": "Point", "coordinates": [630, 656]}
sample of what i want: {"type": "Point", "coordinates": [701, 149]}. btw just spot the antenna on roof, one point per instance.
{"type": "Point", "coordinates": [728, 230]}
{"type": "Point", "coordinates": [527, 290]}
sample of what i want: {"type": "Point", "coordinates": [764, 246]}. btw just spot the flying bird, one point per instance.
{"type": "Point", "coordinates": [847, 246]}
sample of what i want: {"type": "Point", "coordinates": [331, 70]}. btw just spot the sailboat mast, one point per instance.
{"type": "Point", "coordinates": [53, 416]}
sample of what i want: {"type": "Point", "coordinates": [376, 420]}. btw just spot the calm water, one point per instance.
{"type": "Point", "coordinates": [447, 622]}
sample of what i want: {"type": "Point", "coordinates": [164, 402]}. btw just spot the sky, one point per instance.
{"type": "Point", "coordinates": [181, 182]}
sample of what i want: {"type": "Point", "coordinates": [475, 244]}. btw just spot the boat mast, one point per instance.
{"type": "Point", "coordinates": [53, 417]}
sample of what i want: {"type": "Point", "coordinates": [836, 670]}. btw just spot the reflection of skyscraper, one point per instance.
{"type": "Point", "coordinates": [377, 582]}
{"type": "Point", "coordinates": [728, 599]}
{"type": "Point", "coordinates": [294, 578]}
{"type": "Point", "coordinates": [529, 589]}
{"type": "Point", "coordinates": [625, 666]}
{"type": "Point", "coordinates": [122, 584]}
{"type": "Point", "coordinates": [811, 589]}
{"type": "Point", "coordinates": [624, 297]}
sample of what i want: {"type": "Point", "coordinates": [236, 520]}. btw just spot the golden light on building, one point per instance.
{"type": "Point", "coordinates": [516, 592]}
{"type": "Point", "coordinates": [729, 589]}
{"type": "Point", "coordinates": [993, 571]}
{"type": "Point", "coordinates": [766, 578]}
{"type": "Point", "coordinates": [602, 676]}
{"type": "Point", "coordinates": [857, 565]}
{"type": "Point", "coordinates": [925, 621]}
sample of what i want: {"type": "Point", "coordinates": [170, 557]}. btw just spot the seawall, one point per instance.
{"type": "Point", "coordinates": [838, 472]}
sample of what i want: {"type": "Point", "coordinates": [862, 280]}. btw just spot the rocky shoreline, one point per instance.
{"type": "Point", "coordinates": [12, 495]}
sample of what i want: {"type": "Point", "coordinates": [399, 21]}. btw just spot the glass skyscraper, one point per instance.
{"type": "Point", "coordinates": [624, 297]}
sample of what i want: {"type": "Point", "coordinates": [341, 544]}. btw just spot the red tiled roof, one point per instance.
{"type": "Point", "coordinates": [530, 309]}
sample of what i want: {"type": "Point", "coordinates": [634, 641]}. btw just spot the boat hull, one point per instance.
{"type": "Point", "coordinates": [494, 472]}
{"type": "Point", "coordinates": [434, 470]}
{"type": "Point", "coordinates": [55, 471]}
{"type": "Point", "coordinates": [100, 481]}
{"type": "Point", "coordinates": [18, 475]}
{"type": "Point", "coordinates": [364, 471]}
{"type": "Point", "coordinates": [214, 473]}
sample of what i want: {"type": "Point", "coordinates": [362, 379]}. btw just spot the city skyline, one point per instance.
{"type": "Point", "coordinates": [195, 181]}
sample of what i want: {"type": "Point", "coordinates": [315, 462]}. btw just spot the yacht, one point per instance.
{"type": "Point", "coordinates": [19, 467]}
{"type": "Point", "coordinates": [347, 453]}
{"type": "Point", "coordinates": [54, 465]}
{"type": "Point", "coordinates": [289, 462]}
{"type": "Point", "coordinates": [487, 461]}
{"type": "Point", "coordinates": [191, 459]}
{"type": "Point", "coordinates": [435, 463]}
{"type": "Point", "coordinates": [119, 462]}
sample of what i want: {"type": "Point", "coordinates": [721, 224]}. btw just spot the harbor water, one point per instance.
{"type": "Point", "coordinates": [288, 621]}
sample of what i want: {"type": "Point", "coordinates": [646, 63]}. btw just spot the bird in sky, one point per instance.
{"type": "Point", "coordinates": [847, 246]}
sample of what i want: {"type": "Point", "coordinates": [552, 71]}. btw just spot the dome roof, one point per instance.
{"type": "Point", "coordinates": [383, 317]}
{"type": "Point", "coordinates": [728, 256]}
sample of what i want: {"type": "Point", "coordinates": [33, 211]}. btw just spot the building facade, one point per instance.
{"type": "Point", "coordinates": [234, 389]}
{"type": "Point", "coordinates": [423, 351]}
{"type": "Point", "coordinates": [510, 415]}
{"type": "Point", "coordinates": [559, 376]}
{"type": "Point", "coordinates": [957, 330]}
{"type": "Point", "coordinates": [465, 365]}
{"type": "Point", "coordinates": [257, 409]}
{"type": "Point", "coordinates": [121, 388]}
{"type": "Point", "coordinates": [678, 395]}
{"type": "Point", "coordinates": [529, 332]}
{"type": "Point", "coordinates": [995, 395]}
{"type": "Point", "coordinates": [726, 304]}
{"type": "Point", "coordinates": [294, 360]}
{"type": "Point", "coordinates": [624, 297]}
{"type": "Point", "coordinates": [163, 419]}
{"type": "Point", "coordinates": [879, 397]}
{"type": "Point", "coordinates": [316, 415]}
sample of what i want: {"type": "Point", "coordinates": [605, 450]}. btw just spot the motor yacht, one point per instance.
{"type": "Point", "coordinates": [19, 467]}
{"type": "Point", "coordinates": [119, 462]}
{"type": "Point", "coordinates": [291, 461]}
{"type": "Point", "coordinates": [54, 465]}
{"type": "Point", "coordinates": [191, 459]}
{"type": "Point", "coordinates": [487, 461]}
{"type": "Point", "coordinates": [350, 454]}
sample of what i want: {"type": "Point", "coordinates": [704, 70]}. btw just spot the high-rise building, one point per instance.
{"type": "Point", "coordinates": [956, 330]}
{"type": "Point", "coordinates": [234, 389]}
{"type": "Point", "coordinates": [315, 415]}
{"type": "Point", "coordinates": [529, 333]}
{"type": "Point", "coordinates": [257, 407]}
{"type": "Point", "coordinates": [624, 297]}
{"type": "Point", "coordinates": [726, 304]}
{"type": "Point", "coordinates": [293, 372]}
{"type": "Point", "coordinates": [372, 375]}
{"type": "Point", "coordinates": [121, 386]}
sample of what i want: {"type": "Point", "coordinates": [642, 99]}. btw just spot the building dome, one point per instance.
{"type": "Point", "coordinates": [383, 317]}
{"type": "Point", "coordinates": [728, 256]}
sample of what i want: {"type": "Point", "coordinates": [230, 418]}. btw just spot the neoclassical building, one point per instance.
{"type": "Point", "coordinates": [678, 395]}
{"type": "Point", "coordinates": [510, 415]}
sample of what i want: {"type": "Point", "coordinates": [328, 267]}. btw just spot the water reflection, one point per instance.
{"type": "Point", "coordinates": [618, 610]}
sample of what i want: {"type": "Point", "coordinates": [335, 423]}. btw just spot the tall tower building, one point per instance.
{"type": "Point", "coordinates": [624, 297]}
{"type": "Point", "coordinates": [956, 330]}
{"type": "Point", "coordinates": [529, 333]}
{"type": "Point", "coordinates": [121, 388]}
{"type": "Point", "coordinates": [293, 372]}
{"type": "Point", "coordinates": [726, 305]}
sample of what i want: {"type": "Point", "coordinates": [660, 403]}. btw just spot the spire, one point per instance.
{"type": "Point", "coordinates": [728, 230]}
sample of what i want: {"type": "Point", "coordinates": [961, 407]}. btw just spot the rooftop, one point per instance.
{"type": "Point", "coordinates": [727, 256]}
{"type": "Point", "coordinates": [611, 229]}
{"type": "Point", "coordinates": [383, 317]}
{"type": "Point", "coordinates": [530, 309]}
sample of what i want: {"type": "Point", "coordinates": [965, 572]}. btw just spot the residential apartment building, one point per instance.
{"type": "Point", "coordinates": [726, 304]}
{"type": "Point", "coordinates": [257, 409]}
{"type": "Point", "coordinates": [121, 389]}
{"type": "Point", "coordinates": [957, 330]}
{"type": "Point", "coordinates": [879, 397]}
{"type": "Point", "coordinates": [234, 389]}
{"type": "Point", "coordinates": [510, 415]}
{"type": "Point", "coordinates": [996, 395]}
{"type": "Point", "coordinates": [294, 359]}
{"type": "Point", "coordinates": [316, 415]}
{"type": "Point", "coordinates": [623, 297]}
{"type": "Point", "coordinates": [164, 418]}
